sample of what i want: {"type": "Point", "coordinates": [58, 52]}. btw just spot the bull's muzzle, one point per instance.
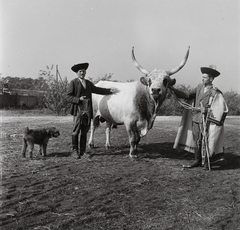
{"type": "Point", "coordinates": [156, 93]}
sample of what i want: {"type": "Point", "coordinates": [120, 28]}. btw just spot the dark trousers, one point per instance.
{"type": "Point", "coordinates": [82, 128]}
{"type": "Point", "coordinates": [197, 137]}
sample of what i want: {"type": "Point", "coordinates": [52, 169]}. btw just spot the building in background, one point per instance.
{"type": "Point", "coordinates": [21, 98]}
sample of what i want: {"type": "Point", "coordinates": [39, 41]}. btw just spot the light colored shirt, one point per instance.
{"type": "Point", "coordinates": [83, 81]}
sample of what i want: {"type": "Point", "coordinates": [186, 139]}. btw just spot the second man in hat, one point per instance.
{"type": "Point", "coordinates": [79, 94]}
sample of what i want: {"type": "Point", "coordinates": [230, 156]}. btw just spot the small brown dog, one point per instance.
{"type": "Point", "coordinates": [38, 136]}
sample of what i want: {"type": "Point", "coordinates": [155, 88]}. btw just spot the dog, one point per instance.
{"type": "Point", "coordinates": [38, 136]}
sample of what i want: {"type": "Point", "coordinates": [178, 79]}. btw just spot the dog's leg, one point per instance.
{"type": "Point", "coordinates": [40, 149]}
{"type": "Point", "coordinates": [31, 145]}
{"type": "Point", "coordinates": [24, 147]}
{"type": "Point", "coordinates": [45, 142]}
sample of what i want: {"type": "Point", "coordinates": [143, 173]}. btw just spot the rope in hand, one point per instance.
{"type": "Point", "coordinates": [184, 104]}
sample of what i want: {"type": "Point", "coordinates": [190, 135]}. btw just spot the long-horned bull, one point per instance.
{"type": "Point", "coordinates": [135, 105]}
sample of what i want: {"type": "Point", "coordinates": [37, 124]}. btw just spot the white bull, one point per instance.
{"type": "Point", "coordinates": [135, 105]}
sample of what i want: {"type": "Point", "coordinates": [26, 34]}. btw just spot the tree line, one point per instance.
{"type": "Point", "coordinates": [54, 97]}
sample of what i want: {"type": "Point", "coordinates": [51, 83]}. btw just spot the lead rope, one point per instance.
{"type": "Point", "coordinates": [184, 104]}
{"type": "Point", "coordinates": [188, 106]}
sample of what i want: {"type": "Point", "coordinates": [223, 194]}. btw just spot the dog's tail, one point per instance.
{"type": "Point", "coordinates": [26, 130]}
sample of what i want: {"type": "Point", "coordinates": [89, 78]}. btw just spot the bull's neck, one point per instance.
{"type": "Point", "coordinates": [145, 104]}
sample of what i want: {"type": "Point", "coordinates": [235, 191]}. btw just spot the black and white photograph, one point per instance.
{"type": "Point", "coordinates": [120, 115]}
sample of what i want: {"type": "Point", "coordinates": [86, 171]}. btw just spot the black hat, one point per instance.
{"type": "Point", "coordinates": [77, 67]}
{"type": "Point", "coordinates": [211, 70]}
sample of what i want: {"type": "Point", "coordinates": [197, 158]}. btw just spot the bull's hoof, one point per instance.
{"type": "Point", "coordinates": [133, 156]}
{"type": "Point", "coordinates": [91, 146]}
{"type": "Point", "coordinates": [107, 146]}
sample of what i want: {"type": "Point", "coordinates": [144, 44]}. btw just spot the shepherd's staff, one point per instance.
{"type": "Point", "coordinates": [204, 133]}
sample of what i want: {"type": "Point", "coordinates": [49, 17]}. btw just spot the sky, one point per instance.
{"type": "Point", "coordinates": [39, 33]}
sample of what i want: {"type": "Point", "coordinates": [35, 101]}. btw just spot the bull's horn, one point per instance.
{"type": "Point", "coordinates": [136, 63]}
{"type": "Point", "coordinates": [173, 71]}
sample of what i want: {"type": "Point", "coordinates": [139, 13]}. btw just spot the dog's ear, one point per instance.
{"type": "Point", "coordinates": [26, 130]}
{"type": "Point", "coordinates": [50, 131]}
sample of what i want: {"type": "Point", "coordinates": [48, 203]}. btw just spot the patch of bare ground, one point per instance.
{"type": "Point", "coordinates": [108, 190]}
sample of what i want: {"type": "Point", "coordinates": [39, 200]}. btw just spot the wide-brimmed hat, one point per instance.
{"type": "Point", "coordinates": [77, 67]}
{"type": "Point", "coordinates": [211, 70]}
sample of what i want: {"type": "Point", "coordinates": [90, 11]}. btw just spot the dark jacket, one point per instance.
{"type": "Point", "coordinates": [76, 90]}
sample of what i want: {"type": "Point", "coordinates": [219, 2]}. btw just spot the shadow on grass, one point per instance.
{"type": "Point", "coordinates": [59, 154]}
{"type": "Point", "coordinates": [165, 150]}
{"type": "Point", "coordinates": [231, 161]}
{"type": "Point", "coordinates": [155, 151]}
{"type": "Point", "coordinates": [113, 151]}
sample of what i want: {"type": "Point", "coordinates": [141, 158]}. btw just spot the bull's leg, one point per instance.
{"type": "Point", "coordinates": [91, 137]}
{"type": "Point", "coordinates": [134, 139]}
{"type": "Point", "coordinates": [108, 132]}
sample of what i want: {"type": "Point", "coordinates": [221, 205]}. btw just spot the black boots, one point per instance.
{"type": "Point", "coordinates": [75, 145]}
{"type": "Point", "coordinates": [83, 143]}
{"type": "Point", "coordinates": [198, 160]}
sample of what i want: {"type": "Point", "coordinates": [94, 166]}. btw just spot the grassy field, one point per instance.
{"type": "Point", "coordinates": [111, 191]}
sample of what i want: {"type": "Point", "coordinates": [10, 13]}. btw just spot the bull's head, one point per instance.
{"type": "Point", "coordinates": [158, 80]}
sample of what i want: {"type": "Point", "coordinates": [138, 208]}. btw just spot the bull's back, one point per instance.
{"type": "Point", "coordinates": [115, 107]}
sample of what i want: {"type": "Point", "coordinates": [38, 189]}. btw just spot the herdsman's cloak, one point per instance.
{"type": "Point", "coordinates": [216, 116]}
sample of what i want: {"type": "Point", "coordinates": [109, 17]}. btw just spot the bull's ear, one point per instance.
{"type": "Point", "coordinates": [145, 80]}
{"type": "Point", "coordinates": [165, 81]}
{"type": "Point", "coordinates": [169, 81]}
{"type": "Point", "coordinates": [172, 82]}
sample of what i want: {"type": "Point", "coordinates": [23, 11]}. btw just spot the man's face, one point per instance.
{"type": "Point", "coordinates": [206, 79]}
{"type": "Point", "coordinates": [81, 73]}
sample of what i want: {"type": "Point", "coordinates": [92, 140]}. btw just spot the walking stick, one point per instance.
{"type": "Point", "coordinates": [205, 140]}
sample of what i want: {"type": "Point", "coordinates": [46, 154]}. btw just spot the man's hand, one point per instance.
{"type": "Point", "coordinates": [114, 90]}
{"type": "Point", "coordinates": [82, 98]}
{"type": "Point", "coordinates": [203, 110]}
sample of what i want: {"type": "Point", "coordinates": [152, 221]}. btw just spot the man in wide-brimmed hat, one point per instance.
{"type": "Point", "coordinates": [202, 96]}
{"type": "Point", "coordinates": [79, 94]}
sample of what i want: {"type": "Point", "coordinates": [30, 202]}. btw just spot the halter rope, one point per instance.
{"type": "Point", "coordinates": [183, 103]}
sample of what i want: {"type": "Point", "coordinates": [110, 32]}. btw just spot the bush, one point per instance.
{"type": "Point", "coordinates": [233, 101]}
{"type": "Point", "coordinates": [55, 96]}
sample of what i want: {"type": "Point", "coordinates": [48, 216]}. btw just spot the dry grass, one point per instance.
{"type": "Point", "coordinates": [112, 191]}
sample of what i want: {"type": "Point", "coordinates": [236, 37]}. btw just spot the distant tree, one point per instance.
{"type": "Point", "coordinates": [233, 101]}
{"type": "Point", "coordinates": [40, 84]}
{"type": "Point", "coordinates": [55, 95]}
